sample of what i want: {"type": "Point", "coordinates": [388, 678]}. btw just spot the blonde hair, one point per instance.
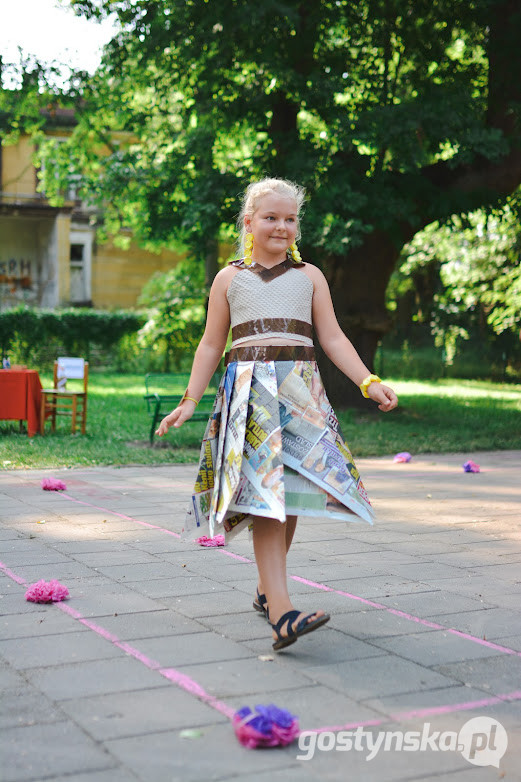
{"type": "Point", "coordinates": [257, 190]}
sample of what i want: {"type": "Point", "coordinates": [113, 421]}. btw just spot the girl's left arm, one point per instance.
{"type": "Point", "coordinates": [337, 346]}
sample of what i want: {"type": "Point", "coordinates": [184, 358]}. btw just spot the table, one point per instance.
{"type": "Point", "coordinates": [20, 397]}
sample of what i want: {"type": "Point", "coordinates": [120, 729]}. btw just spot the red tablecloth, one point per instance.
{"type": "Point", "coordinates": [20, 397]}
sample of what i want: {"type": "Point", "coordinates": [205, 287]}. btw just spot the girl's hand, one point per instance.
{"type": "Point", "coordinates": [384, 395]}
{"type": "Point", "coordinates": [177, 417]}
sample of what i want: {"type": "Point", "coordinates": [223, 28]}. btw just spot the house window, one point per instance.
{"type": "Point", "coordinates": [80, 267]}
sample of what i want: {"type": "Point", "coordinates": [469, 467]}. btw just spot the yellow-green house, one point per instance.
{"type": "Point", "coordinates": [50, 256]}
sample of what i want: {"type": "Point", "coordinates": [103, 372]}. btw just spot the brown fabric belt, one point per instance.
{"type": "Point", "coordinates": [263, 326]}
{"type": "Point", "coordinates": [271, 353]}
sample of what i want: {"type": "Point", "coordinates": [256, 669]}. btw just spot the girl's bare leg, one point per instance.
{"type": "Point", "coordinates": [270, 540]}
{"type": "Point", "coordinates": [290, 527]}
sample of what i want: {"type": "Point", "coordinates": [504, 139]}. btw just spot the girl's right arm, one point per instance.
{"type": "Point", "coordinates": [208, 353]}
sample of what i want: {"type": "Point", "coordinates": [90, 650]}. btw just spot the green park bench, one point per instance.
{"type": "Point", "coordinates": [165, 391]}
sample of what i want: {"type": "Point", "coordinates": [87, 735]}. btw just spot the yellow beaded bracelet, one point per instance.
{"type": "Point", "coordinates": [190, 398]}
{"type": "Point", "coordinates": [364, 385]}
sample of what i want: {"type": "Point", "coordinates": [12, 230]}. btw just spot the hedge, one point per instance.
{"type": "Point", "coordinates": [76, 329]}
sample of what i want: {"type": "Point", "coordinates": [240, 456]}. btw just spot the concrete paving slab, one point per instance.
{"type": "Point", "coordinates": [240, 626]}
{"type": "Point", "coordinates": [142, 598]}
{"type": "Point", "coordinates": [208, 604]}
{"type": "Point", "coordinates": [328, 647]}
{"type": "Point", "coordinates": [116, 716]}
{"type": "Point", "coordinates": [316, 705]}
{"type": "Point", "coordinates": [26, 705]}
{"type": "Point", "coordinates": [96, 677]}
{"type": "Point", "coordinates": [464, 774]}
{"type": "Point", "coordinates": [440, 697]}
{"type": "Point", "coordinates": [37, 752]}
{"type": "Point", "coordinates": [10, 679]}
{"type": "Point", "coordinates": [495, 674]}
{"type": "Point", "coordinates": [103, 559]}
{"type": "Point", "coordinates": [488, 623]}
{"type": "Point", "coordinates": [167, 757]}
{"type": "Point", "coordinates": [383, 586]}
{"type": "Point", "coordinates": [9, 534]}
{"type": "Point", "coordinates": [439, 602]}
{"type": "Point", "coordinates": [51, 650]}
{"type": "Point", "coordinates": [375, 623]}
{"type": "Point", "coordinates": [35, 624]}
{"type": "Point", "coordinates": [89, 546]}
{"type": "Point", "coordinates": [62, 571]}
{"type": "Point", "coordinates": [10, 603]}
{"type": "Point", "coordinates": [188, 584]}
{"type": "Point", "coordinates": [150, 624]}
{"type": "Point", "coordinates": [41, 557]}
{"type": "Point", "coordinates": [434, 648]}
{"type": "Point", "coordinates": [512, 641]}
{"type": "Point", "coordinates": [108, 775]}
{"type": "Point", "coordinates": [91, 600]}
{"type": "Point", "coordinates": [250, 677]}
{"type": "Point", "coordinates": [177, 650]}
{"type": "Point", "coordinates": [386, 673]}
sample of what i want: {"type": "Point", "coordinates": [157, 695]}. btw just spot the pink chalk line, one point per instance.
{"type": "Point", "coordinates": [433, 711]}
{"type": "Point", "coordinates": [410, 617]}
{"type": "Point", "coordinates": [176, 677]}
{"type": "Point", "coordinates": [325, 588]}
{"type": "Point", "coordinates": [193, 688]}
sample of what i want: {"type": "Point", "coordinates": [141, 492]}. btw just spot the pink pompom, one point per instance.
{"type": "Point", "coordinates": [46, 592]}
{"type": "Point", "coordinates": [471, 466]}
{"type": "Point", "coordinates": [267, 726]}
{"type": "Point", "coordinates": [53, 484]}
{"type": "Point", "coordinates": [405, 456]}
{"type": "Point", "coordinates": [218, 540]}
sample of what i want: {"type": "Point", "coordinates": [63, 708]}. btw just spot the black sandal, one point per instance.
{"type": "Point", "coordinates": [261, 604]}
{"type": "Point", "coordinates": [302, 628]}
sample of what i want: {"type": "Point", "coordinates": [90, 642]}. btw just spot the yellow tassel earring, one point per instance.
{"type": "Point", "coordinates": [248, 249]}
{"type": "Point", "coordinates": [295, 253]}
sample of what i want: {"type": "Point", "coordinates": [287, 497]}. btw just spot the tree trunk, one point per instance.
{"type": "Point", "coordinates": [211, 261]}
{"type": "Point", "coordinates": [358, 283]}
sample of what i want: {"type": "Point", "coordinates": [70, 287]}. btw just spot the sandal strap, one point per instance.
{"type": "Point", "coordinates": [288, 617]}
{"type": "Point", "coordinates": [262, 599]}
{"type": "Point", "coordinates": [303, 622]}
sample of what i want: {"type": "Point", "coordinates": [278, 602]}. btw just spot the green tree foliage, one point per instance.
{"type": "Point", "coordinates": [461, 280]}
{"type": "Point", "coordinates": [482, 267]}
{"type": "Point", "coordinates": [393, 113]}
{"type": "Point", "coordinates": [175, 302]}
{"type": "Point", "coordinates": [30, 94]}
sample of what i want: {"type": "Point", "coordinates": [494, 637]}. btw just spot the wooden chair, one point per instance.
{"type": "Point", "coordinates": [60, 400]}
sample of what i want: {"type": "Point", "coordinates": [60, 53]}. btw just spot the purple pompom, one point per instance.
{"type": "Point", "coordinates": [268, 726]}
{"type": "Point", "coordinates": [280, 717]}
{"type": "Point", "coordinates": [404, 456]}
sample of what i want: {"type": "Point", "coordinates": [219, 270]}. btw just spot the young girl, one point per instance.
{"type": "Point", "coordinates": [273, 449]}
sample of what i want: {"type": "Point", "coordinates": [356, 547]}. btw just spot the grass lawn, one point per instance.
{"type": "Point", "coordinates": [437, 416]}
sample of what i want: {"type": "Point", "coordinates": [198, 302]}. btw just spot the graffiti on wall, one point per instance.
{"type": "Point", "coordinates": [16, 273]}
{"type": "Point", "coordinates": [19, 282]}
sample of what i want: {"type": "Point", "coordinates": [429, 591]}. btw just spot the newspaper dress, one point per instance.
{"type": "Point", "coordinates": [273, 447]}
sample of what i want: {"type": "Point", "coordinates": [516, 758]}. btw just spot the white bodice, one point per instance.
{"type": "Point", "coordinates": [285, 298]}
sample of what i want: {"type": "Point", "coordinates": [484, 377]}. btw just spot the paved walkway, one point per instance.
{"type": "Point", "coordinates": [136, 675]}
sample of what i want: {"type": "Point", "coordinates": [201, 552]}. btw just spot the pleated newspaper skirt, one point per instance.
{"type": "Point", "coordinates": [273, 447]}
